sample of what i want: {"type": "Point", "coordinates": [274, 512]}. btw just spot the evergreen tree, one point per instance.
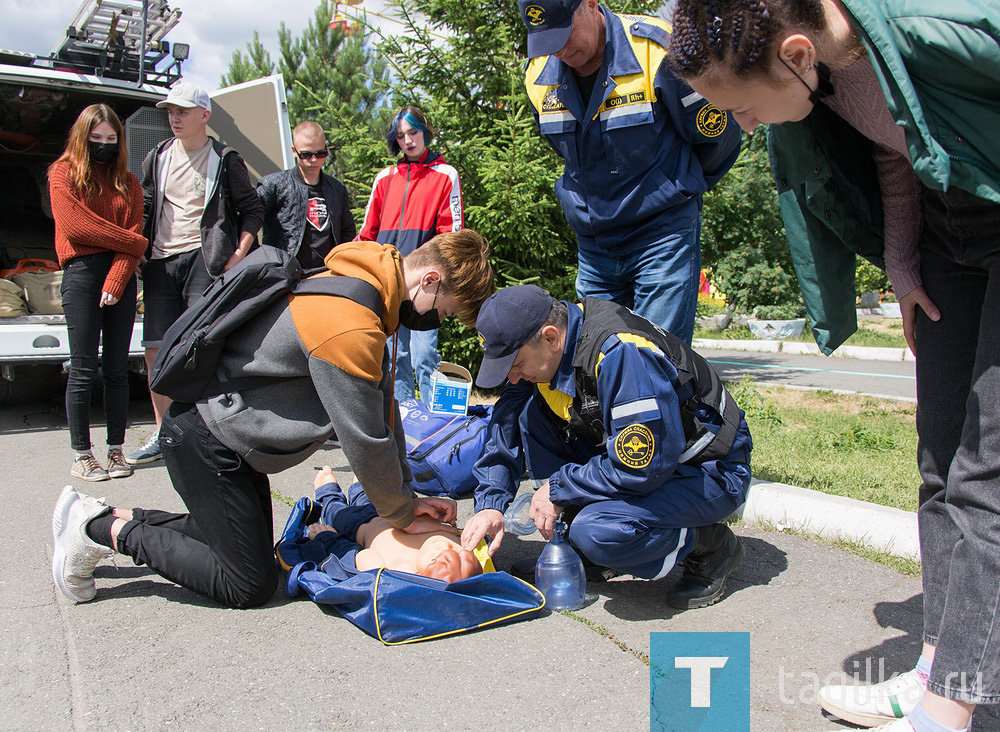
{"type": "Point", "coordinates": [461, 61]}
{"type": "Point", "coordinates": [743, 237]}
{"type": "Point", "coordinates": [256, 64]}
{"type": "Point", "coordinates": [334, 79]}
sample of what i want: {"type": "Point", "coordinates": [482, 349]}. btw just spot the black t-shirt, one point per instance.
{"type": "Point", "coordinates": [586, 84]}
{"type": "Point", "coordinates": [318, 238]}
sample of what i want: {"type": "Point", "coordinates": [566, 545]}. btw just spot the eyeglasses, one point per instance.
{"type": "Point", "coordinates": [310, 154]}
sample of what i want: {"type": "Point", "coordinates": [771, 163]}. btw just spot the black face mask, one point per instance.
{"type": "Point", "coordinates": [410, 318]}
{"type": "Point", "coordinates": [824, 84]}
{"type": "Point", "coordinates": [102, 152]}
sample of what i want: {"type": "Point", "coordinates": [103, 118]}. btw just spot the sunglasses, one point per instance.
{"type": "Point", "coordinates": [309, 154]}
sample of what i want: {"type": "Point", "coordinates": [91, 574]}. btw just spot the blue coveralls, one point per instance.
{"type": "Point", "coordinates": [346, 514]}
{"type": "Point", "coordinates": [638, 159]}
{"type": "Point", "coordinates": [636, 504]}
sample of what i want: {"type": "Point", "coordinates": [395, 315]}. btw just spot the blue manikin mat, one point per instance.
{"type": "Point", "coordinates": [398, 607]}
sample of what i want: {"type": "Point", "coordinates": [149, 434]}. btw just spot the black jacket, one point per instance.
{"type": "Point", "coordinates": [233, 206]}
{"type": "Point", "coordinates": [284, 196]}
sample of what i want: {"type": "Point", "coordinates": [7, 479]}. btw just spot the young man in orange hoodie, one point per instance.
{"type": "Point", "coordinates": [330, 372]}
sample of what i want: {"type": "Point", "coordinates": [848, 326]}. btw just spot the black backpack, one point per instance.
{"type": "Point", "coordinates": [186, 365]}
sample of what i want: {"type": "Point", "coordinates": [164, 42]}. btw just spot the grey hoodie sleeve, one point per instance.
{"type": "Point", "coordinates": [358, 412]}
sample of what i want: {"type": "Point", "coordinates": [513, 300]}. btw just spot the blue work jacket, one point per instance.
{"type": "Point", "coordinates": [645, 149]}
{"type": "Point", "coordinates": [639, 394]}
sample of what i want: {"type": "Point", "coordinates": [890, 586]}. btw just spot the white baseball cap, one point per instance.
{"type": "Point", "coordinates": [187, 95]}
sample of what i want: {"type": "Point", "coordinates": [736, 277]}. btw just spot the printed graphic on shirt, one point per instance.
{"type": "Point", "coordinates": [317, 214]}
{"type": "Point", "coordinates": [634, 446]}
{"type": "Point", "coordinates": [711, 121]}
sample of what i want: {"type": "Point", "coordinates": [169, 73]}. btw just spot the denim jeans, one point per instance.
{"type": "Point", "coordinates": [658, 281]}
{"type": "Point", "coordinates": [416, 359]}
{"type": "Point", "coordinates": [222, 548]}
{"type": "Point", "coordinates": [958, 423]}
{"type": "Point", "coordinates": [93, 329]}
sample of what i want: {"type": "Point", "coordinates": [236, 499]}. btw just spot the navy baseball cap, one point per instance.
{"type": "Point", "coordinates": [549, 23]}
{"type": "Point", "coordinates": [508, 320]}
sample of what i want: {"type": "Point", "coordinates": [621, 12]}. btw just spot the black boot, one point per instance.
{"type": "Point", "coordinates": [716, 554]}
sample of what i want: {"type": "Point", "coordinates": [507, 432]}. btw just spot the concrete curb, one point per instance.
{"type": "Point", "coordinates": [800, 348]}
{"type": "Point", "coordinates": [776, 505]}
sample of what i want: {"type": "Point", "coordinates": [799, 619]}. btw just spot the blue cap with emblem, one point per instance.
{"type": "Point", "coordinates": [508, 320]}
{"type": "Point", "coordinates": [549, 23]}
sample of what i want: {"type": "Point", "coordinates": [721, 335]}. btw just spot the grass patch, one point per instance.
{"type": "Point", "coordinates": [854, 446]}
{"type": "Point", "coordinates": [884, 333]}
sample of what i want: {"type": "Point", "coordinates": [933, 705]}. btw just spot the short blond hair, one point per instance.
{"type": "Point", "coordinates": [308, 128]}
{"type": "Point", "coordinates": [464, 260]}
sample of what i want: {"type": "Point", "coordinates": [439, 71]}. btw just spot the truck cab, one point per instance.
{"type": "Point", "coordinates": [105, 57]}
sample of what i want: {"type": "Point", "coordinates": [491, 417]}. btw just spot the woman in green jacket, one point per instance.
{"type": "Point", "coordinates": [883, 137]}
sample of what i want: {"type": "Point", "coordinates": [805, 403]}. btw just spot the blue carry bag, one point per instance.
{"type": "Point", "coordinates": [398, 607]}
{"type": "Point", "coordinates": [442, 449]}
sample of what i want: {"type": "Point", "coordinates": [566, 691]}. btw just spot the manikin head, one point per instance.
{"type": "Point", "coordinates": [522, 331]}
{"type": "Point", "coordinates": [766, 61]}
{"type": "Point", "coordinates": [452, 565]}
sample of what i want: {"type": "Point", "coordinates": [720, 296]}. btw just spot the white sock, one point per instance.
{"type": "Point", "coordinates": [921, 722]}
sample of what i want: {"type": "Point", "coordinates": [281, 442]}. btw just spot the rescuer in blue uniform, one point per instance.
{"type": "Point", "coordinates": [640, 150]}
{"type": "Point", "coordinates": [630, 435]}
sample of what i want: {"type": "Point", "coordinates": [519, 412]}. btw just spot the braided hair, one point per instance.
{"type": "Point", "coordinates": [735, 34]}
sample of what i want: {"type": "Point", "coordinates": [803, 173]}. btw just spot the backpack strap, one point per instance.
{"type": "Point", "coordinates": [353, 288]}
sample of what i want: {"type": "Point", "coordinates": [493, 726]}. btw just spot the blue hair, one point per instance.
{"type": "Point", "coordinates": [418, 125]}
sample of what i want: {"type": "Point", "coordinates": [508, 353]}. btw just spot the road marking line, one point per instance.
{"type": "Point", "coordinates": [806, 368]}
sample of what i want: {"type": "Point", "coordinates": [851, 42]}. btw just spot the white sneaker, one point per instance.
{"type": "Point", "coordinates": [871, 705]}
{"type": "Point", "coordinates": [899, 725]}
{"type": "Point", "coordinates": [74, 554]}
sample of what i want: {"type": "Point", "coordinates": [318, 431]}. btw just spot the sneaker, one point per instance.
{"type": "Point", "coordinates": [871, 705]}
{"type": "Point", "coordinates": [716, 554]}
{"type": "Point", "coordinates": [147, 453]}
{"type": "Point", "coordinates": [117, 467]}
{"type": "Point", "coordinates": [74, 554]}
{"type": "Point", "coordinates": [899, 725]}
{"type": "Point", "coordinates": [86, 467]}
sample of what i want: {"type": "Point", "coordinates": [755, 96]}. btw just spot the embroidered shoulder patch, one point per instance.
{"type": "Point", "coordinates": [634, 446]}
{"type": "Point", "coordinates": [551, 102]}
{"type": "Point", "coordinates": [711, 121]}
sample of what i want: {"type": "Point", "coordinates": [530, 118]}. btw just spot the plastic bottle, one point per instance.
{"type": "Point", "coordinates": [559, 573]}
{"type": "Point", "coordinates": [515, 518]}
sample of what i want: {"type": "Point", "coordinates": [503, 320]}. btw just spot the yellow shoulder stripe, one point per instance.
{"type": "Point", "coordinates": [638, 340]}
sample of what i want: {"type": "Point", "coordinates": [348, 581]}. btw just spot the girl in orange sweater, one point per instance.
{"type": "Point", "coordinates": [97, 207]}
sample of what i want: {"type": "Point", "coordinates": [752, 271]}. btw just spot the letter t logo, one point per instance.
{"type": "Point", "coordinates": [701, 676]}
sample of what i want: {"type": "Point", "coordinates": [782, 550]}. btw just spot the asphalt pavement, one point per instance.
{"type": "Point", "coordinates": [889, 379]}
{"type": "Point", "coordinates": [148, 655]}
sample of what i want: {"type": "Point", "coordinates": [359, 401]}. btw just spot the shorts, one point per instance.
{"type": "Point", "coordinates": [169, 286]}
